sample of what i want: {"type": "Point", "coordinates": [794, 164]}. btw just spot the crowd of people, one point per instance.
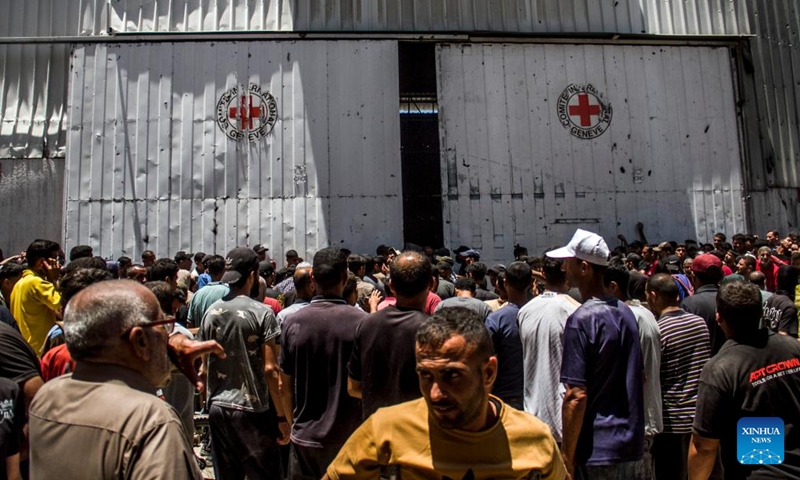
{"type": "Point", "coordinates": [584, 362]}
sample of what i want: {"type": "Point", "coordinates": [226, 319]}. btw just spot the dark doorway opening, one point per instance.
{"type": "Point", "coordinates": [419, 143]}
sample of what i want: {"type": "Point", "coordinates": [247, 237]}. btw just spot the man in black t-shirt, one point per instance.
{"type": "Point", "coordinates": [706, 275]}
{"type": "Point", "coordinates": [755, 374]}
{"type": "Point", "coordinates": [12, 418]}
{"type": "Point", "coordinates": [780, 312]}
{"type": "Point", "coordinates": [316, 344]}
{"type": "Point", "coordinates": [382, 368]}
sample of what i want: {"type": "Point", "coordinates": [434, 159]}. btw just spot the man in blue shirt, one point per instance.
{"type": "Point", "coordinates": [503, 328]}
{"type": "Point", "coordinates": [602, 368]}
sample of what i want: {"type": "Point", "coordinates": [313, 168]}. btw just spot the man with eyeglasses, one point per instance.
{"type": "Point", "coordinates": [104, 421]}
{"type": "Point", "coordinates": [35, 301]}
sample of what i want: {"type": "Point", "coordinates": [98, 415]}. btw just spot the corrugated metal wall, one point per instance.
{"type": "Point", "coordinates": [31, 202]}
{"type": "Point", "coordinates": [688, 17]}
{"type": "Point", "coordinates": [771, 79]}
{"type": "Point", "coordinates": [148, 167]}
{"type": "Point", "coordinates": [514, 174]}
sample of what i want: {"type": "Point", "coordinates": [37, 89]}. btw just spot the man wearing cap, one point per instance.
{"type": "Point", "coordinates": [261, 251]}
{"type": "Point", "coordinates": [603, 413]}
{"type": "Point", "coordinates": [706, 274]}
{"type": "Point", "coordinates": [673, 266]}
{"type": "Point", "coordinates": [242, 425]}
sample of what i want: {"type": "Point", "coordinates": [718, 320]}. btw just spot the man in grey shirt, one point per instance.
{"type": "Point", "coordinates": [239, 385]}
{"type": "Point", "coordinates": [465, 297]}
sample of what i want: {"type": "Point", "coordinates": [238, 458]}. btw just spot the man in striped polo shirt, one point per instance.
{"type": "Point", "coordinates": [685, 348]}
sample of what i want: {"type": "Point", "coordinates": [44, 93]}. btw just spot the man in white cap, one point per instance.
{"type": "Point", "coordinates": [603, 412]}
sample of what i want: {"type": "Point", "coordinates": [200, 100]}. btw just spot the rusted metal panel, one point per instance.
{"type": "Point", "coordinates": [513, 174]}
{"type": "Point", "coordinates": [31, 202]}
{"type": "Point", "coordinates": [690, 17]}
{"type": "Point", "coordinates": [150, 167]}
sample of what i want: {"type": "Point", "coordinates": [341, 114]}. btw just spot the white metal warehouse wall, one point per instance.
{"type": "Point", "coordinates": [33, 113]}
{"type": "Point", "coordinates": [148, 167]}
{"type": "Point", "coordinates": [688, 17]}
{"type": "Point", "coordinates": [774, 120]}
{"type": "Point", "coordinates": [514, 174]}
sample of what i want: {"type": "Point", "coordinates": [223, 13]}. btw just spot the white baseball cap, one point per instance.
{"type": "Point", "coordinates": [587, 246]}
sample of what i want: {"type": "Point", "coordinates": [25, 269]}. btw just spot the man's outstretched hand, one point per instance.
{"type": "Point", "coordinates": [188, 356]}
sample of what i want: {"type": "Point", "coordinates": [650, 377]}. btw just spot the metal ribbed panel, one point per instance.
{"type": "Point", "coordinates": [772, 76]}
{"type": "Point", "coordinates": [148, 166]}
{"type": "Point", "coordinates": [46, 18]}
{"type": "Point", "coordinates": [687, 17]}
{"type": "Point", "coordinates": [514, 174]}
{"type": "Point", "coordinates": [31, 202]}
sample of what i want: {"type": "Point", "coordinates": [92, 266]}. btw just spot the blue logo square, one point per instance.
{"type": "Point", "coordinates": [759, 440]}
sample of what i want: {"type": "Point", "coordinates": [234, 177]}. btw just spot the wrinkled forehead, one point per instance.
{"type": "Point", "coordinates": [453, 350]}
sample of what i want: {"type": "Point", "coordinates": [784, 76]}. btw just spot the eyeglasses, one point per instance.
{"type": "Point", "coordinates": [168, 323]}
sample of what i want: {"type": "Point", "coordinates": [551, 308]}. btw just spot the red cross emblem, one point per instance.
{"type": "Point", "coordinates": [246, 112]}
{"type": "Point", "coordinates": [584, 109]}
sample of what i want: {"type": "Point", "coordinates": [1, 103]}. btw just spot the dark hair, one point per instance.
{"type": "Point", "coordinates": [519, 251]}
{"type": "Point", "coordinates": [552, 270]}
{"type": "Point", "coordinates": [749, 260]}
{"type": "Point", "coordinates": [369, 263]}
{"type": "Point", "coordinates": [711, 277]}
{"type": "Point", "coordinates": [739, 304]}
{"type": "Point", "coordinates": [787, 280]}
{"type": "Point", "coordinates": [215, 264]}
{"type": "Point", "coordinates": [86, 262]}
{"type": "Point", "coordinates": [164, 294]}
{"type": "Point", "coordinates": [664, 285]}
{"type": "Point", "coordinates": [41, 249]}
{"type": "Point", "coordinates": [11, 270]}
{"type": "Point", "coordinates": [76, 280]}
{"type": "Point", "coordinates": [380, 260]}
{"type": "Point", "coordinates": [477, 270]}
{"type": "Point", "coordinates": [80, 251]}
{"type": "Point", "coordinates": [720, 235]}
{"type": "Point", "coordinates": [351, 285]}
{"type": "Point", "coordinates": [444, 266]}
{"type": "Point", "coordinates": [410, 274]}
{"type": "Point", "coordinates": [282, 274]}
{"type": "Point", "coordinates": [124, 261]}
{"type": "Point", "coordinates": [355, 262]}
{"type": "Point", "coordinates": [738, 237]}
{"type": "Point", "coordinates": [618, 274]}
{"type": "Point", "coordinates": [292, 254]}
{"type": "Point", "coordinates": [466, 283]}
{"type": "Point", "coordinates": [198, 257]}
{"type": "Point", "coordinates": [329, 265]}
{"type": "Point", "coordinates": [163, 269]}
{"type": "Point", "coordinates": [519, 276]}
{"type": "Point", "coordinates": [148, 253]}
{"type": "Point", "coordinates": [265, 269]}
{"type": "Point", "coordinates": [452, 321]}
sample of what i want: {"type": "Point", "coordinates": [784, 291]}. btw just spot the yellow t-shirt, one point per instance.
{"type": "Point", "coordinates": [402, 442]}
{"type": "Point", "coordinates": [34, 303]}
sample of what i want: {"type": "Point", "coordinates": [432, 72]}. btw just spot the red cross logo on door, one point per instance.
{"type": "Point", "coordinates": [246, 112]}
{"type": "Point", "coordinates": [584, 109]}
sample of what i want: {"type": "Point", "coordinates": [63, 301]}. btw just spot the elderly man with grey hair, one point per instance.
{"type": "Point", "coordinates": [104, 420]}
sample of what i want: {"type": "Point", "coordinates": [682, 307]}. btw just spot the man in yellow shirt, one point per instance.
{"type": "Point", "coordinates": [35, 302]}
{"type": "Point", "coordinates": [457, 430]}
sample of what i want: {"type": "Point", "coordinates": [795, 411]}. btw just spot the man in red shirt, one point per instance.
{"type": "Point", "coordinates": [768, 267]}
